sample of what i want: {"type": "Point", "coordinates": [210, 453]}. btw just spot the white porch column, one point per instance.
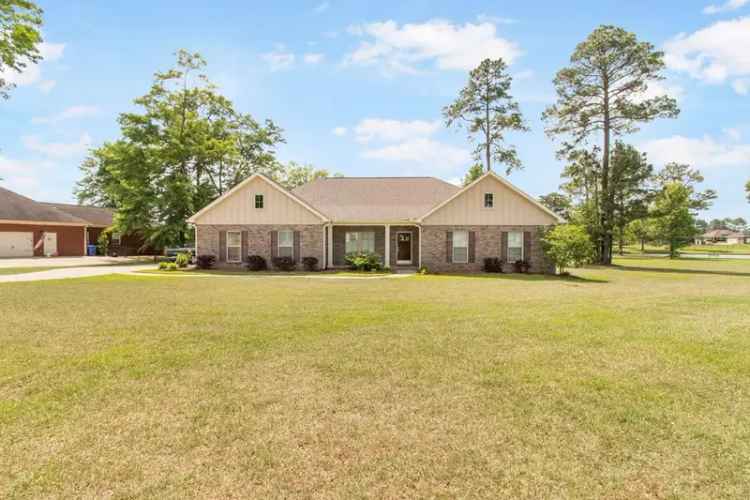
{"type": "Point", "coordinates": [387, 262]}
{"type": "Point", "coordinates": [419, 259]}
{"type": "Point", "coordinates": [329, 259]}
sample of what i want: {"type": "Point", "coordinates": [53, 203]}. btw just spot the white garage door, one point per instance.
{"type": "Point", "coordinates": [16, 244]}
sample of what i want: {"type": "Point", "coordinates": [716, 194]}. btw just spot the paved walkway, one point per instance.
{"type": "Point", "coordinates": [63, 261]}
{"type": "Point", "coordinates": [73, 272]}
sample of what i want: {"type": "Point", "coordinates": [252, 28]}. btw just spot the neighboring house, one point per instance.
{"type": "Point", "coordinates": [722, 237]}
{"type": "Point", "coordinates": [409, 221]}
{"type": "Point", "coordinates": [31, 228]}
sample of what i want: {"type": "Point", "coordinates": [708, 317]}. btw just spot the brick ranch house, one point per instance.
{"type": "Point", "coordinates": [409, 221]}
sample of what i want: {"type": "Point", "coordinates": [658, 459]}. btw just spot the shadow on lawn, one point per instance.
{"type": "Point", "coordinates": [528, 277]}
{"type": "Point", "coordinates": [667, 270]}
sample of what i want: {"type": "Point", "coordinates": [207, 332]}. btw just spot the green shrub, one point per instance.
{"type": "Point", "coordinates": [363, 261]}
{"type": "Point", "coordinates": [568, 245]}
{"type": "Point", "coordinates": [256, 263]}
{"type": "Point", "coordinates": [171, 266]}
{"type": "Point", "coordinates": [423, 270]}
{"type": "Point", "coordinates": [493, 265]}
{"type": "Point", "coordinates": [205, 261]}
{"type": "Point", "coordinates": [182, 260]}
{"type": "Point", "coordinates": [310, 263]}
{"type": "Point", "coordinates": [284, 263]}
{"type": "Point", "coordinates": [163, 265]}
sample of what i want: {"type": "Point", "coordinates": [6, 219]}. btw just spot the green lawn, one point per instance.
{"type": "Point", "coordinates": [623, 382]}
{"type": "Point", "coordinates": [24, 270]}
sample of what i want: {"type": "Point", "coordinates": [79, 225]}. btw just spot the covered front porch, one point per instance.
{"type": "Point", "coordinates": [398, 245]}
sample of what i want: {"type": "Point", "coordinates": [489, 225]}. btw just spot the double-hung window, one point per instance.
{"type": "Point", "coordinates": [234, 246]}
{"type": "Point", "coordinates": [515, 246]}
{"type": "Point", "coordinates": [286, 243]}
{"type": "Point", "coordinates": [460, 247]}
{"type": "Point", "coordinates": [360, 241]}
{"type": "Point", "coordinates": [258, 201]}
{"type": "Point", "coordinates": [489, 200]}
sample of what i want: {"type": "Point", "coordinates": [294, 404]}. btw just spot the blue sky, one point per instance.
{"type": "Point", "coordinates": [358, 87]}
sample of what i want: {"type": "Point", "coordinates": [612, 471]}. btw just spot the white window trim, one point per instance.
{"type": "Point", "coordinates": [262, 201]}
{"type": "Point", "coordinates": [116, 237]}
{"type": "Point", "coordinates": [484, 201]}
{"type": "Point", "coordinates": [453, 249]}
{"type": "Point", "coordinates": [523, 257]}
{"type": "Point", "coordinates": [234, 246]}
{"type": "Point", "coordinates": [279, 246]}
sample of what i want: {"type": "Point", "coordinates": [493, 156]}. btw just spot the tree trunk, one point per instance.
{"type": "Point", "coordinates": [488, 135]}
{"type": "Point", "coordinates": [606, 213]}
{"type": "Point", "coordinates": [643, 245]}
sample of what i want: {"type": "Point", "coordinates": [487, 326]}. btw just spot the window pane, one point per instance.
{"type": "Point", "coordinates": [233, 239]}
{"type": "Point", "coordinates": [460, 255]}
{"type": "Point", "coordinates": [286, 238]}
{"type": "Point", "coordinates": [489, 200]}
{"type": "Point", "coordinates": [460, 239]}
{"type": "Point", "coordinates": [258, 201]}
{"type": "Point", "coordinates": [360, 241]}
{"type": "Point", "coordinates": [285, 252]}
{"type": "Point", "coordinates": [515, 246]}
{"type": "Point", "coordinates": [233, 254]}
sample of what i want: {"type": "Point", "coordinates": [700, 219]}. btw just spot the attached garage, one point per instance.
{"type": "Point", "coordinates": [16, 244]}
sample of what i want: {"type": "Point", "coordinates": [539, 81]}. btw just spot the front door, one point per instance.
{"type": "Point", "coordinates": [403, 252]}
{"type": "Point", "coordinates": [50, 244]}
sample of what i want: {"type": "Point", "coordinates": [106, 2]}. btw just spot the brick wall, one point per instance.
{"type": "Point", "coordinates": [259, 241]}
{"type": "Point", "coordinates": [487, 244]}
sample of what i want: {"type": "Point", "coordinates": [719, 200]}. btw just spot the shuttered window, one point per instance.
{"type": "Point", "coordinates": [234, 246]}
{"type": "Point", "coordinates": [286, 243]}
{"type": "Point", "coordinates": [515, 246]}
{"type": "Point", "coordinates": [460, 247]}
{"type": "Point", "coordinates": [360, 241]}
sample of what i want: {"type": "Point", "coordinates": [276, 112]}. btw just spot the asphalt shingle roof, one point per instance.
{"type": "Point", "coordinates": [15, 207]}
{"type": "Point", "coordinates": [375, 199]}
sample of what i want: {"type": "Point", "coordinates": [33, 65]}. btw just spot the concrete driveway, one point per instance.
{"type": "Point", "coordinates": [63, 261]}
{"type": "Point", "coordinates": [73, 272]}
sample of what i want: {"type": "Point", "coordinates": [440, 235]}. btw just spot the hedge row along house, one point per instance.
{"type": "Point", "coordinates": [31, 228]}
{"type": "Point", "coordinates": [409, 222]}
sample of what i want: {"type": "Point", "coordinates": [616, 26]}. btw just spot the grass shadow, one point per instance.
{"type": "Point", "coordinates": [680, 270]}
{"type": "Point", "coordinates": [526, 277]}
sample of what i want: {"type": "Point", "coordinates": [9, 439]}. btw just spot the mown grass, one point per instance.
{"type": "Point", "coordinates": [24, 270]}
{"type": "Point", "coordinates": [740, 249]}
{"type": "Point", "coordinates": [623, 382]}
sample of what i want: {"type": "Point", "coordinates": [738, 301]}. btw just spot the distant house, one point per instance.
{"type": "Point", "coordinates": [31, 228]}
{"type": "Point", "coordinates": [722, 237]}
{"type": "Point", "coordinates": [408, 221]}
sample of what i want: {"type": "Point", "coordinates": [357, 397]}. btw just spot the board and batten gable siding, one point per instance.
{"type": "Point", "coordinates": [239, 208]}
{"type": "Point", "coordinates": [510, 208]}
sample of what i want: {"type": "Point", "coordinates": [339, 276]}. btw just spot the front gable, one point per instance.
{"type": "Point", "coordinates": [237, 206]}
{"type": "Point", "coordinates": [511, 207]}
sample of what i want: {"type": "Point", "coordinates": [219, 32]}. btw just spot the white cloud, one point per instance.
{"type": "Point", "coordinates": [725, 7]}
{"type": "Point", "coordinates": [733, 133]}
{"type": "Point", "coordinates": [70, 113]}
{"type": "Point", "coordinates": [321, 7]}
{"type": "Point", "coordinates": [485, 18]}
{"type": "Point", "coordinates": [32, 73]}
{"type": "Point", "coordinates": [404, 49]}
{"type": "Point", "coordinates": [279, 59]}
{"type": "Point", "coordinates": [57, 149]}
{"type": "Point", "coordinates": [24, 176]}
{"type": "Point", "coordinates": [705, 152]}
{"type": "Point", "coordinates": [46, 86]}
{"type": "Point", "coordinates": [385, 130]}
{"type": "Point", "coordinates": [313, 58]}
{"type": "Point", "coordinates": [408, 141]}
{"type": "Point", "coordinates": [422, 151]}
{"type": "Point", "coordinates": [658, 88]}
{"type": "Point", "coordinates": [340, 131]}
{"type": "Point", "coordinates": [713, 54]}
{"type": "Point", "coordinates": [741, 86]}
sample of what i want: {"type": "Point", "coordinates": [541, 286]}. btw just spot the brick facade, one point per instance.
{"type": "Point", "coordinates": [488, 243]}
{"type": "Point", "coordinates": [312, 241]}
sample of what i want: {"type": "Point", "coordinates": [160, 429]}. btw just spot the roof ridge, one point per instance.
{"type": "Point", "coordinates": [54, 203]}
